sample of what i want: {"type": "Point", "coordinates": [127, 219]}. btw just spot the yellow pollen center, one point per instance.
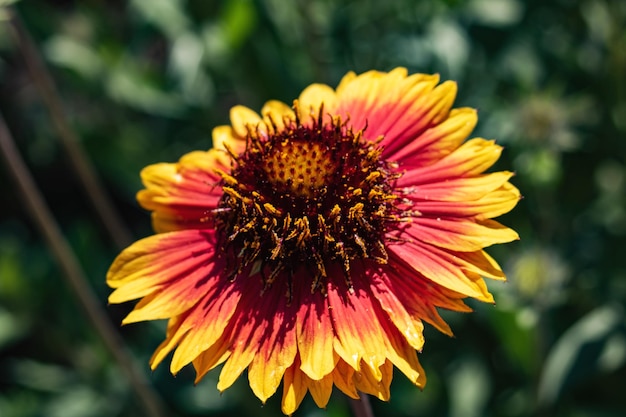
{"type": "Point", "coordinates": [300, 167]}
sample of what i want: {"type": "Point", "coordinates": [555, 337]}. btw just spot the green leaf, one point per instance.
{"type": "Point", "coordinates": [237, 22]}
{"type": "Point", "coordinates": [580, 352]}
{"type": "Point", "coordinates": [517, 336]}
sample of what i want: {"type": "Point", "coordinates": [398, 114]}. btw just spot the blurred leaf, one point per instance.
{"type": "Point", "coordinates": [613, 355]}
{"type": "Point", "coordinates": [516, 334]}
{"type": "Point", "coordinates": [609, 209]}
{"type": "Point", "coordinates": [225, 36]}
{"type": "Point", "coordinates": [496, 12]}
{"type": "Point", "coordinates": [11, 273]}
{"type": "Point", "coordinates": [40, 376]}
{"type": "Point", "coordinates": [81, 401]}
{"type": "Point", "coordinates": [469, 388]}
{"type": "Point", "coordinates": [4, 14]}
{"type": "Point", "coordinates": [610, 178]}
{"type": "Point", "coordinates": [203, 397]}
{"type": "Point", "coordinates": [538, 276]}
{"type": "Point", "coordinates": [596, 412]}
{"type": "Point", "coordinates": [167, 15]}
{"type": "Point", "coordinates": [237, 22]}
{"type": "Point", "coordinates": [449, 44]}
{"type": "Point", "coordinates": [128, 85]}
{"type": "Point", "coordinates": [541, 167]}
{"type": "Point", "coordinates": [20, 404]}
{"type": "Point", "coordinates": [521, 61]}
{"type": "Point", "coordinates": [74, 55]}
{"type": "Point", "coordinates": [618, 115]}
{"type": "Point", "coordinates": [11, 328]}
{"type": "Point", "coordinates": [579, 351]}
{"type": "Point", "coordinates": [598, 18]}
{"type": "Point", "coordinates": [185, 63]}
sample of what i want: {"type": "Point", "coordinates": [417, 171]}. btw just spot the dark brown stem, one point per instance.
{"type": "Point", "coordinates": [72, 272]}
{"type": "Point", "coordinates": [68, 138]}
{"type": "Point", "coordinates": [361, 407]}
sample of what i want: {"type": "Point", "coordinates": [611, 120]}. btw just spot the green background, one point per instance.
{"type": "Point", "coordinates": [144, 81]}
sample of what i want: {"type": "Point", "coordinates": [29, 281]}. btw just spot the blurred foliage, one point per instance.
{"type": "Point", "coordinates": [146, 80]}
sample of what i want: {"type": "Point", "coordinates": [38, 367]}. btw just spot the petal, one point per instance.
{"type": "Point", "coordinates": [343, 379]}
{"type": "Point", "coordinates": [314, 98]}
{"type": "Point", "coordinates": [173, 298]}
{"type": "Point", "coordinates": [374, 381]}
{"type": "Point", "coordinates": [182, 194]}
{"type": "Point", "coordinates": [361, 96]}
{"type": "Point", "coordinates": [225, 140]}
{"type": "Point", "coordinates": [409, 326]}
{"type": "Point", "coordinates": [242, 119]}
{"type": "Point", "coordinates": [433, 264]}
{"type": "Point", "coordinates": [212, 357]}
{"type": "Point", "coordinates": [320, 389]}
{"type": "Point", "coordinates": [394, 105]}
{"type": "Point", "coordinates": [157, 262]}
{"type": "Point", "coordinates": [458, 189]}
{"type": "Point", "coordinates": [493, 204]}
{"type": "Point", "coordinates": [172, 337]}
{"type": "Point", "coordinates": [358, 335]}
{"type": "Point", "coordinates": [346, 80]}
{"type": "Point", "coordinates": [478, 262]}
{"type": "Point", "coordinates": [403, 356]}
{"type": "Point", "coordinates": [263, 336]}
{"type": "Point", "coordinates": [182, 280]}
{"type": "Point", "coordinates": [275, 113]}
{"type": "Point", "coordinates": [278, 347]}
{"type": "Point", "coordinates": [245, 331]}
{"type": "Point", "coordinates": [472, 158]}
{"type": "Point", "coordinates": [314, 333]}
{"type": "Point", "coordinates": [437, 141]}
{"type": "Point", "coordinates": [168, 222]}
{"type": "Point", "coordinates": [403, 335]}
{"type": "Point", "coordinates": [424, 111]}
{"type": "Point", "coordinates": [294, 388]}
{"type": "Point", "coordinates": [419, 295]}
{"type": "Point", "coordinates": [208, 320]}
{"type": "Point", "coordinates": [459, 234]}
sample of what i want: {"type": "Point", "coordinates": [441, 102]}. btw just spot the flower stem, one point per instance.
{"type": "Point", "coordinates": [68, 138]}
{"type": "Point", "coordinates": [73, 274]}
{"type": "Point", "coordinates": [361, 407]}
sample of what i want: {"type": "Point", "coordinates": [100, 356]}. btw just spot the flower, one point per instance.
{"type": "Point", "coordinates": [311, 242]}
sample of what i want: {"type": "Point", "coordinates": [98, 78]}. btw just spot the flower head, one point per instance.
{"type": "Point", "coordinates": [311, 242]}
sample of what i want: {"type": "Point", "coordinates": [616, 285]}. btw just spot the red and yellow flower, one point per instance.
{"type": "Point", "coordinates": [310, 244]}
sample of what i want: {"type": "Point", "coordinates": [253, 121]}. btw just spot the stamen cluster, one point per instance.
{"type": "Point", "coordinates": [306, 194]}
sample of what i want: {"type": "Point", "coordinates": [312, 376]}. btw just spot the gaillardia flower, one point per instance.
{"type": "Point", "coordinates": [310, 244]}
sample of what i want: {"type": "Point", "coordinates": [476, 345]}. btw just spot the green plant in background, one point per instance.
{"type": "Point", "coordinates": [141, 84]}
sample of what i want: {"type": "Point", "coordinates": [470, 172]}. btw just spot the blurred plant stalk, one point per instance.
{"type": "Point", "coordinates": [72, 272]}
{"type": "Point", "coordinates": [78, 159]}
{"type": "Point", "coordinates": [361, 407]}
{"type": "Point", "coordinates": [44, 221]}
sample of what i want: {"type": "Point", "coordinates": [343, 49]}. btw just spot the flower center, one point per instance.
{"type": "Point", "coordinates": [307, 194]}
{"type": "Point", "coordinates": [300, 167]}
